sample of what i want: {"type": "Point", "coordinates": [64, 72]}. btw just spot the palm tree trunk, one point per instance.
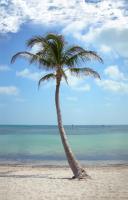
{"type": "Point", "coordinates": [77, 170]}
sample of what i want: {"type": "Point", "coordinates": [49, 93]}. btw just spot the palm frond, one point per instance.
{"type": "Point", "coordinates": [53, 56]}
{"type": "Point", "coordinates": [44, 59]}
{"type": "Point", "coordinates": [84, 71]}
{"type": "Point", "coordinates": [36, 40]}
{"type": "Point", "coordinates": [48, 43]}
{"type": "Point", "coordinates": [42, 62]}
{"type": "Point", "coordinates": [64, 75]}
{"type": "Point", "coordinates": [59, 39]}
{"type": "Point", "coordinates": [75, 53]}
{"type": "Point", "coordinates": [38, 58]}
{"type": "Point", "coordinates": [46, 78]}
{"type": "Point", "coordinates": [57, 44]}
{"type": "Point", "coordinates": [92, 55]}
{"type": "Point", "coordinates": [23, 54]}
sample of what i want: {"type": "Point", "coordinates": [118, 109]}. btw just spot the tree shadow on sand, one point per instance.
{"type": "Point", "coordinates": [32, 176]}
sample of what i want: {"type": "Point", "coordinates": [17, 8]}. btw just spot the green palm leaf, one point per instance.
{"type": "Point", "coordinates": [57, 43]}
{"type": "Point", "coordinates": [54, 56]}
{"type": "Point", "coordinates": [46, 78]}
{"type": "Point", "coordinates": [84, 71]}
{"type": "Point", "coordinates": [47, 47]}
{"type": "Point", "coordinates": [75, 53]}
{"type": "Point", "coordinates": [59, 39]}
{"type": "Point", "coordinates": [36, 40]}
{"type": "Point", "coordinates": [23, 54]}
{"type": "Point", "coordinates": [38, 58]}
{"type": "Point", "coordinates": [63, 74]}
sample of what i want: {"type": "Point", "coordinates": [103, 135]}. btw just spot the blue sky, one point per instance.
{"type": "Point", "coordinates": [100, 25]}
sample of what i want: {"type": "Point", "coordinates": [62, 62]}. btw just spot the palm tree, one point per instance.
{"type": "Point", "coordinates": [57, 58]}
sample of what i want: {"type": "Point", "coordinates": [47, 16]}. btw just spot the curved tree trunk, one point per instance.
{"type": "Point", "coordinates": [77, 170]}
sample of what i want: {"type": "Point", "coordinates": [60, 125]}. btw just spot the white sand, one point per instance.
{"type": "Point", "coordinates": [42, 183]}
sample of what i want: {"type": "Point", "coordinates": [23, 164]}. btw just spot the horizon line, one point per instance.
{"type": "Point", "coordinates": [64, 125]}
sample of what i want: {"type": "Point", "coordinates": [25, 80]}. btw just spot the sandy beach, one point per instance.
{"type": "Point", "coordinates": [54, 183]}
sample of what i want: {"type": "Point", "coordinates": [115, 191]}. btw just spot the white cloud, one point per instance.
{"type": "Point", "coordinates": [103, 24]}
{"type": "Point", "coordinates": [9, 90]}
{"type": "Point", "coordinates": [74, 28]}
{"type": "Point", "coordinates": [77, 83]}
{"type": "Point", "coordinates": [105, 48]}
{"type": "Point", "coordinates": [36, 48]}
{"type": "Point", "coordinates": [85, 87]}
{"type": "Point", "coordinates": [74, 82]}
{"type": "Point", "coordinates": [4, 68]}
{"type": "Point", "coordinates": [114, 86]}
{"type": "Point", "coordinates": [115, 37]}
{"type": "Point", "coordinates": [26, 73]}
{"type": "Point", "coordinates": [116, 81]}
{"type": "Point", "coordinates": [106, 13]}
{"type": "Point", "coordinates": [105, 27]}
{"type": "Point", "coordinates": [114, 73]}
{"type": "Point", "coordinates": [16, 12]}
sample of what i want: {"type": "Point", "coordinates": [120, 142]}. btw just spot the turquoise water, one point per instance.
{"type": "Point", "coordinates": [42, 144]}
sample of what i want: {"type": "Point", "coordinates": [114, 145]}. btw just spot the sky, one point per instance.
{"type": "Point", "coordinates": [98, 25]}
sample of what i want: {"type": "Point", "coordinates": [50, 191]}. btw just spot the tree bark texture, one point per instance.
{"type": "Point", "coordinates": [77, 170]}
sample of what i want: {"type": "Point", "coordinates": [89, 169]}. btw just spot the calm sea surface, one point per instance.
{"type": "Point", "coordinates": [42, 144]}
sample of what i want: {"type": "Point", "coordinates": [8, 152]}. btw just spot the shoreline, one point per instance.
{"type": "Point", "coordinates": [62, 167]}
{"type": "Point", "coordinates": [64, 163]}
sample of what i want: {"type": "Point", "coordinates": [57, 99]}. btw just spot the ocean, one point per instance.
{"type": "Point", "coordinates": [41, 145]}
